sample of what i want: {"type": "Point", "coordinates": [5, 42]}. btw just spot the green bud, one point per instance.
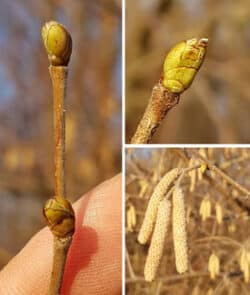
{"type": "Point", "coordinates": [58, 43]}
{"type": "Point", "coordinates": [182, 63]}
{"type": "Point", "coordinates": [60, 217]}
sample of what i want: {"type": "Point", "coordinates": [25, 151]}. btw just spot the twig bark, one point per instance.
{"type": "Point", "coordinates": [59, 78]}
{"type": "Point", "coordinates": [161, 101]}
{"type": "Point", "coordinates": [61, 245]}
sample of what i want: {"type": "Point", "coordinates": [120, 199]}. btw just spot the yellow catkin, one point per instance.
{"type": "Point", "coordinates": [219, 213]}
{"type": "Point", "coordinates": [131, 218]}
{"type": "Point", "coordinates": [179, 231]}
{"type": "Point", "coordinates": [158, 240]}
{"type": "Point", "coordinates": [244, 265]}
{"type": "Point", "coordinates": [192, 175]}
{"type": "Point", "coordinates": [157, 196]}
{"type": "Point", "coordinates": [213, 266]}
{"type": "Point", "coordinates": [205, 209]}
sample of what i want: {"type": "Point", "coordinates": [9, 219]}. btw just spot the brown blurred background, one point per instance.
{"type": "Point", "coordinates": [216, 107]}
{"type": "Point", "coordinates": [26, 130]}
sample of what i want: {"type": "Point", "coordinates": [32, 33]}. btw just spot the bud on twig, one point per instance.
{"type": "Point", "coordinates": [60, 217]}
{"type": "Point", "coordinates": [58, 43]}
{"type": "Point", "coordinates": [182, 63]}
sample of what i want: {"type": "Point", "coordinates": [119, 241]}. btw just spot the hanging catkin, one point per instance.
{"type": "Point", "coordinates": [219, 213]}
{"type": "Point", "coordinates": [213, 266]}
{"type": "Point", "coordinates": [158, 240]}
{"type": "Point", "coordinates": [179, 231]}
{"type": "Point", "coordinates": [157, 196]}
{"type": "Point", "coordinates": [244, 265]}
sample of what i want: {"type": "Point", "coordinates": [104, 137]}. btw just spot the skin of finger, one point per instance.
{"type": "Point", "coordinates": [94, 260]}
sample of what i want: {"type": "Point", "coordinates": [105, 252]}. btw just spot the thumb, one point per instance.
{"type": "Point", "coordinates": [94, 260]}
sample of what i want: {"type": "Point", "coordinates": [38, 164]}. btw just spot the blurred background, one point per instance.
{"type": "Point", "coordinates": [26, 124]}
{"type": "Point", "coordinates": [227, 239]}
{"type": "Point", "coordinates": [215, 109]}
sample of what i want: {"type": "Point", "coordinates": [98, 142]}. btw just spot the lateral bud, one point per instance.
{"type": "Point", "coordinates": [60, 217]}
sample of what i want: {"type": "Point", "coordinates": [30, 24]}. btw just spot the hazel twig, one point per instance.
{"type": "Point", "coordinates": [58, 210]}
{"type": "Point", "coordinates": [224, 176]}
{"type": "Point", "coordinates": [180, 67]}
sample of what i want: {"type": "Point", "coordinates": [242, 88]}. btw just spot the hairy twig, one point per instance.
{"type": "Point", "coordinates": [160, 103]}
{"type": "Point", "coordinates": [58, 211]}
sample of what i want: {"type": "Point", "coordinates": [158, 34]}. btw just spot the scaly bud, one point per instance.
{"type": "Point", "coordinates": [182, 63]}
{"type": "Point", "coordinates": [58, 43]}
{"type": "Point", "coordinates": [60, 217]}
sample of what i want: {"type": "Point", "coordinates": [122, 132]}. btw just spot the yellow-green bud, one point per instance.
{"type": "Point", "coordinates": [58, 43]}
{"type": "Point", "coordinates": [182, 63]}
{"type": "Point", "coordinates": [60, 217]}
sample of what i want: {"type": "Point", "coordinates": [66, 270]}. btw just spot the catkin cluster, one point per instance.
{"type": "Point", "coordinates": [157, 196]}
{"type": "Point", "coordinates": [156, 220]}
{"type": "Point", "coordinates": [206, 209]}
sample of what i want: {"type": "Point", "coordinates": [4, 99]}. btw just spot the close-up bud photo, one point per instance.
{"type": "Point", "coordinates": [187, 72]}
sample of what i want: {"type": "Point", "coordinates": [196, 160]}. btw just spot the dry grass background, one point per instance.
{"type": "Point", "coordinates": [227, 240]}
{"type": "Point", "coordinates": [216, 107]}
{"type": "Point", "coordinates": [26, 124]}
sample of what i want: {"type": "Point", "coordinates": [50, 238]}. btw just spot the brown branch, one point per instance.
{"type": "Point", "coordinates": [160, 103]}
{"type": "Point", "coordinates": [61, 247]}
{"type": "Point", "coordinates": [224, 176]}
{"type": "Point", "coordinates": [59, 77]}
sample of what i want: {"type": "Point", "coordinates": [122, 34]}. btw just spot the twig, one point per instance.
{"type": "Point", "coordinates": [129, 265]}
{"type": "Point", "coordinates": [174, 278]}
{"type": "Point", "coordinates": [219, 239]}
{"type": "Point", "coordinates": [58, 211]}
{"type": "Point", "coordinates": [170, 278]}
{"type": "Point", "coordinates": [59, 78]}
{"type": "Point", "coordinates": [160, 103]}
{"type": "Point", "coordinates": [223, 175]}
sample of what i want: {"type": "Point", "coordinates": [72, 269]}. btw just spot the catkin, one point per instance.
{"type": "Point", "coordinates": [157, 196]}
{"type": "Point", "coordinates": [219, 214]}
{"type": "Point", "coordinates": [157, 242]}
{"type": "Point", "coordinates": [192, 175]}
{"type": "Point", "coordinates": [205, 209]}
{"type": "Point", "coordinates": [244, 265]}
{"type": "Point", "coordinates": [213, 266]}
{"type": "Point", "coordinates": [179, 231]}
{"type": "Point", "coordinates": [131, 218]}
